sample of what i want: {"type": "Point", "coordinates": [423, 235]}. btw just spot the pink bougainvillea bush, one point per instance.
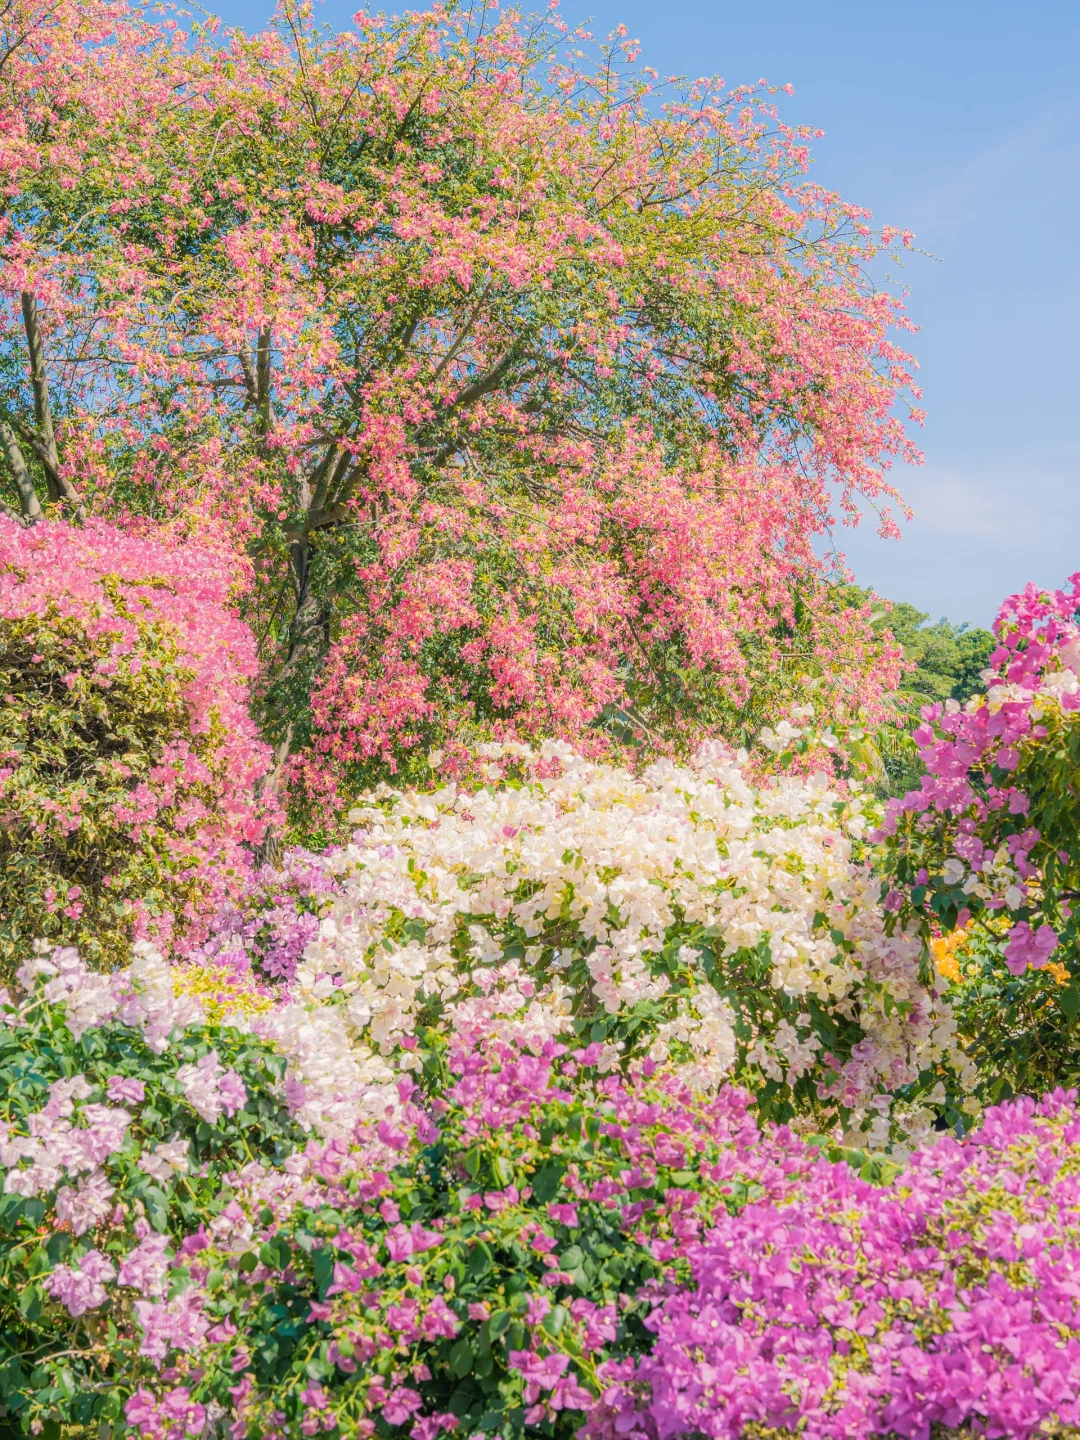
{"type": "Point", "coordinates": [515, 1239]}
{"type": "Point", "coordinates": [518, 385]}
{"type": "Point", "coordinates": [836, 1310]}
{"type": "Point", "coordinates": [128, 762]}
{"type": "Point", "coordinates": [990, 842]}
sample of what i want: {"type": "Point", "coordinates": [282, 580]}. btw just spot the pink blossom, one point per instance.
{"type": "Point", "coordinates": [81, 1287]}
{"type": "Point", "coordinates": [1029, 947]}
{"type": "Point", "coordinates": [125, 1087]}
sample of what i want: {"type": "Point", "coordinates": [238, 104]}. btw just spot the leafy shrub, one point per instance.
{"type": "Point", "coordinates": [523, 1239]}
{"type": "Point", "coordinates": [684, 914]}
{"type": "Point", "coordinates": [127, 760]}
{"type": "Point", "coordinates": [123, 1158]}
{"type": "Point", "coordinates": [1021, 1031]}
{"type": "Point", "coordinates": [989, 843]}
{"type": "Point", "coordinates": [837, 1310]}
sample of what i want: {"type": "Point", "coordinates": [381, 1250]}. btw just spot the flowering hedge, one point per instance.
{"type": "Point", "coordinates": [839, 1310]}
{"type": "Point", "coordinates": [518, 1239]}
{"type": "Point", "coordinates": [683, 915]}
{"type": "Point", "coordinates": [992, 829]}
{"type": "Point", "coordinates": [989, 844]}
{"type": "Point", "coordinates": [127, 759]}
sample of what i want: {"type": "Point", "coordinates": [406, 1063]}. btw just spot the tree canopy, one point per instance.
{"type": "Point", "coordinates": [517, 386]}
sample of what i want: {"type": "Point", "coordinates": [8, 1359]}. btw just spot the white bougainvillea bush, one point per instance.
{"type": "Point", "coordinates": [685, 917]}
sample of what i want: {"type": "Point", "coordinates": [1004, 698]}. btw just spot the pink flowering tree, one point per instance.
{"type": "Point", "coordinates": [518, 389]}
{"type": "Point", "coordinates": [128, 763]}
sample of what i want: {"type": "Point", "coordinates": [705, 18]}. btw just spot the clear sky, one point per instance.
{"type": "Point", "coordinates": [961, 121]}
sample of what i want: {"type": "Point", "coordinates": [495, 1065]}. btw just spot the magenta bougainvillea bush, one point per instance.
{"type": "Point", "coordinates": [520, 1239]}
{"type": "Point", "coordinates": [128, 760]}
{"type": "Point", "coordinates": [991, 829]}
{"type": "Point", "coordinates": [989, 844]}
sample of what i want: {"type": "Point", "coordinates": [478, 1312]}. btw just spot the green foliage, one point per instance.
{"type": "Point", "coordinates": [494, 1265]}
{"type": "Point", "coordinates": [68, 1370]}
{"type": "Point", "coordinates": [510, 1217]}
{"type": "Point", "coordinates": [948, 659]}
{"type": "Point", "coordinates": [89, 832]}
{"type": "Point", "coordinates": [945, 662]}
{"type": "Point", "coordinates": [1021, 1031]}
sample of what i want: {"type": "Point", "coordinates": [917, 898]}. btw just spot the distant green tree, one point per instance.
{"type": "Point", "coordinates": [946, 663]}
{"type": "Point", "coordinates": [948, 659]}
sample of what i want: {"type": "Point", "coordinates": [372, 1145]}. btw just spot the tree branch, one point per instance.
{"type": "Point", "coordinates": [44, 443]}
{"type": "Point", "coordinates": [28, 500]}
{"type": "Point", "coordinates": [40, 382]}
{"type": "Point", "coordinates": [262, 382]}
{"type": "Point", "coordinates": [486, 383]}
{"type": "Point", "coordinates": [251, 385]}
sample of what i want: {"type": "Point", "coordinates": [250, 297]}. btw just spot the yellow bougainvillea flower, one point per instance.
{"type": "Point", "coordinates": [221, 990]}
{"type": "Point", "coordinates": [944, 950]}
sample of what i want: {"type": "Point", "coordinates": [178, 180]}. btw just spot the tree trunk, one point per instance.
{"type": "Point", "coordinates": [309, 641]}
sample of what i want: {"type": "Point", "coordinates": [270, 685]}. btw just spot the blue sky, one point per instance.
{"type": "Point", "coordinates": [961, 121]}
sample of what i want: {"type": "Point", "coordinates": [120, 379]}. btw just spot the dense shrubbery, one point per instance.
{"type": "Point", "coordinates": [684, 915]}
{"type": "Point", "coordinates": [127, 758]}
{"type": "Point", "coordinates": [989, 841]}
{"type": "Point", "coordinates": [433, 1133]}
{"type": "Point", "coordinates": [519, 1239]}
{"type": "Point", "coordinates": [617, 1083]}
{"type": "Point", "coordinates": [138, 1109]}
{"type": "Point", "coordinates": [838, 1310]}
{"type": "Point", "coordinates": [1020, 1031]}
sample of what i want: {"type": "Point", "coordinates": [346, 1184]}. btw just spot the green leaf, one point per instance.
{"type": "Point", "coordinates": [546, 1182]}
{"type": "Point", "coordinates": [461, 1358]}
{"type": "Point", "coordinates": [275, 1254]}
{"type": "Point", "coordinates": [480, 1260]}
{"type": "Point", "coordinates": [322, 1263]}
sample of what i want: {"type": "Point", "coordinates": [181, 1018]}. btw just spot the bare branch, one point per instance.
{"type": "Point", "coordinates": [470, 321]}
{"type": "Point", "coordinates": [59, 486]}
{"type": "Point", "coordinates": [251, 385]}
{"type": "Point", "coordinates": [486, 383]}
{"type": "Point", "coordinates": [262, 382]}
